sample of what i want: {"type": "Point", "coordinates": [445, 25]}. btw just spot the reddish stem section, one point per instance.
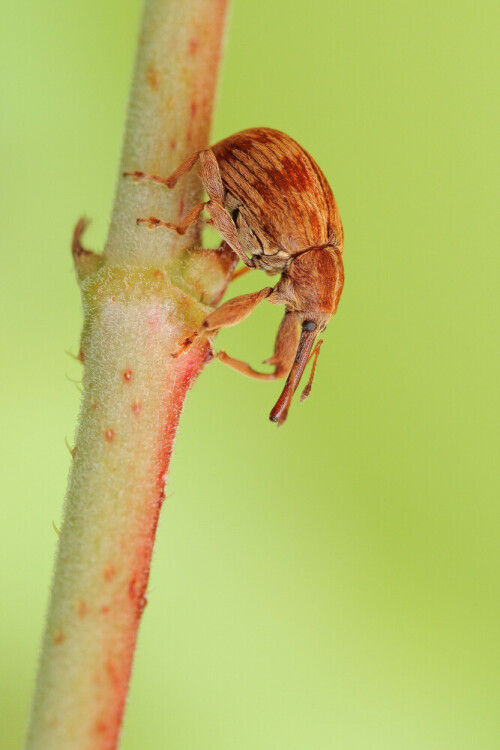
{"type": "Point", "coordinates": [131, 590]}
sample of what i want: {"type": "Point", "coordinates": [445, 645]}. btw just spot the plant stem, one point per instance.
{"type": "Point", "coordinates": [147, 292]}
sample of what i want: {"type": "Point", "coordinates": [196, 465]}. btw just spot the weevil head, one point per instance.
{"type": "Point", "coordinates": [314, 280]}
{"type": "Point", "coordinates": [311, 287]}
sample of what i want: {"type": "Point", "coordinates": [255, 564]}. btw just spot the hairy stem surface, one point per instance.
{"type": "Point", "coordinates": [146, 293]}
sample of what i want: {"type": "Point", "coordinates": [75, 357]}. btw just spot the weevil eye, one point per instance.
{"type": "Point", "coordinates": [309, 325]}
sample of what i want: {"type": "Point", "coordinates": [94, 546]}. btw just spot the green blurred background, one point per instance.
{"type": "Point", "coordinates": [334, 583]}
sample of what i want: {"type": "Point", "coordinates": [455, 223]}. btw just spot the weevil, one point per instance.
{"type": "Point", "coordinates": [272, 204]}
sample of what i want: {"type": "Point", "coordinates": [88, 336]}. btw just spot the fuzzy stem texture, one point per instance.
{"type": "Point", "coordinates": [146, 292]}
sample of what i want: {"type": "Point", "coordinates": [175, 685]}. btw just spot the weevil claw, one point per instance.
{"type": "Point", "coordinates": [184, 345]}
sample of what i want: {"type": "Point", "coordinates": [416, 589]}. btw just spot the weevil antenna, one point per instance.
{"type": "Point", "coordinates": [315, 353]}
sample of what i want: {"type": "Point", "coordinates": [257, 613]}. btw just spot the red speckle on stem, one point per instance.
{"type": "Point", "coordinates": [95, 405]}
{"type": "Point", "coordinates": [109, 435]}
{"type": "Point", "coordinates": [153, 78]}
{"type": "Point", "coordinates": [136, 593]}
{"type": "Point", "coordinates": [131, 588]}
{"type": "Point", "coordinates": [127, 376]}
{"type": "Point", "coordinates": [193, 46]}
{"type": "Point", "coordinates": [136, 407]}
{"type": "Point", "coordinates": [109, 572]}
{"type": "Point", "coordinates": [105, 609]}
{"type": "Point", "coordinates": [100, 727]}
{"type": "Point", "coordinates": [81, 609]}
{"type": "Point", "coordinates": [58, 637]}
{"type": "Point", "coordinates": [173, 144]}
{"type": "Point", "coordinates": [113, 672]}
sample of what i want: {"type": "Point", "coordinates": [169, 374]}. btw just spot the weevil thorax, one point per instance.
{"type": "Point", "coordinates": [312, 286]}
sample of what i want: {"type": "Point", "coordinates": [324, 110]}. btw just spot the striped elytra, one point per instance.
{"type": "Point", "coordinates": [279, 190]}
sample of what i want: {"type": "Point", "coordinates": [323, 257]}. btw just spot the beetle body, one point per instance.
{"type": "Point", "coordinates": [273, 206]}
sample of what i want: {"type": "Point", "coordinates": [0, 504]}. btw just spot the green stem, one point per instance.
{"type": "Point", "coordinates": [139, 300]}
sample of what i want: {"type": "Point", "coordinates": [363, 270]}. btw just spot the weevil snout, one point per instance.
{"type": "Point", "coordinates": [307, 339]}
{"type": "Point", "coordinates": [311, 324]}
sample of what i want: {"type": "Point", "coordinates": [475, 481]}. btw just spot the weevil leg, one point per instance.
{"type": "Point", "coordinates": [220, 219]}
{"type": "Point", "coordinates": [223, 223]}
{"type": "Point", "coordinates": [315, 353]}
{"type": "Point", "coordinates": [234, 310]}
{"type": "Point", "coordinates": [229, 314]}
{"type": "Point", "coordinates": [243, 367]}
{"type": "Point", "coordinates": [184, 345]}
{"type": "Point", "coordinates": [170, 181]}
{"type": "Point", "coordinates": [285, 348]}
{"type": "Point", "coordinates": [210, 176]}
{"type": "Point", "coordinates": [181, 228]}
{"type": "Point", "coordinates": [212, 182]}
{"type": "Point", "coordinates": [240, 272]}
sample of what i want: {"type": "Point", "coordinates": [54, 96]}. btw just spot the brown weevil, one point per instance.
{"type": "Point", "coordinates": [273, 206]}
